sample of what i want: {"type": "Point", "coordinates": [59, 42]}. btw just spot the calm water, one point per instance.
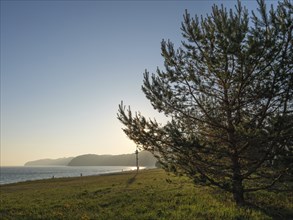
{"type": "Point", "coordinates": [24, 173]}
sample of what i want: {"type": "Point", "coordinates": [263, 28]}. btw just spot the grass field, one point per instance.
{"type": "Point", "coordinates": [151, 194]}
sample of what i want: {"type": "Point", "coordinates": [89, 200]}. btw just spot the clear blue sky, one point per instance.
{"type": "Point", "coordinates": [66, 65]}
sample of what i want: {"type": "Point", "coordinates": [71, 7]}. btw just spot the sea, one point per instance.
{"type": "Point", "coordinates": [27, 173]}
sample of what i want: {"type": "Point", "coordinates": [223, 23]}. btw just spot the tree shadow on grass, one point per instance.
{"type": "Point", "coordinates": [262, 203]}
{"type": "Point", "coordinates": [272, 211]}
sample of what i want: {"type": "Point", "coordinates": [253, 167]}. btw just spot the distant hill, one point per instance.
{"type": "Point", "coordinates": [45, 162]}
{"type": "Point", "coordinates": [146, 159]}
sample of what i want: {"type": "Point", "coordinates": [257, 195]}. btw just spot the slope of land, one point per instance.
{"type": "Point", "coordinates": [146, 159]}
{"type": "Point", "coordinates": [56, 162]}
{"type": "Point", "coordinates": [150, 194]}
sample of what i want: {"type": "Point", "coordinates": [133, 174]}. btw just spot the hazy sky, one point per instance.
{"type": "Point", "coordinates": [66, 65]}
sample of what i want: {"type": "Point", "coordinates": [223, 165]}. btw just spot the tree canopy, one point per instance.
{"type": "Point", "coordinates": [228, 95]}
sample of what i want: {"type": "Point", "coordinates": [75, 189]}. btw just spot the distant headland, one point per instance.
{"type": "Point", "coordinates": [146, 159]}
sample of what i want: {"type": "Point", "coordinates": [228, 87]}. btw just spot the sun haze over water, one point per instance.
{"type": "Point", "coordinates": [66, 65]}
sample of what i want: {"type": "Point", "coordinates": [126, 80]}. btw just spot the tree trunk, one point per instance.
{"type": "Point", "coordinates": [238, 192]}
{"type": "Point", "coordinates": [237, 184]}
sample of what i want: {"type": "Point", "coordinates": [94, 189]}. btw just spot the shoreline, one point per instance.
{"type": "Point", "coordinates": [81, 175]}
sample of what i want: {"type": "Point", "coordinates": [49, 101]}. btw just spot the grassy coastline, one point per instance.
{"type": "Point", "coordinates": [150, 194]}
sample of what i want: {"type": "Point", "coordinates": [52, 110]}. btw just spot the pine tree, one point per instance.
{"type": "Point", "coordinates": [227, 92]}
